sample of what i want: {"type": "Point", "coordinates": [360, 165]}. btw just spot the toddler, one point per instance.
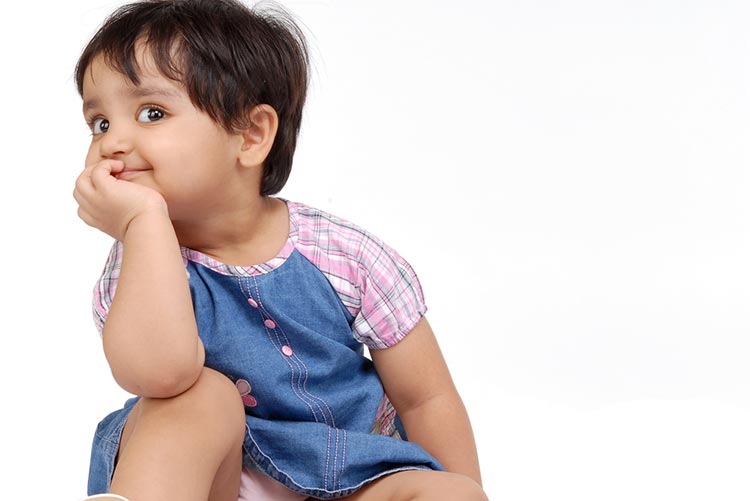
{"type": "Point", "coordinates": [237, 318]}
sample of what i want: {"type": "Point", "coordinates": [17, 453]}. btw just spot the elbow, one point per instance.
{"type": "Point", "coordinates": [159, 384]}
{"type": "Point", "coordinates": [157, 377]}
{"type": "Point", "coordinates": [447, 397]}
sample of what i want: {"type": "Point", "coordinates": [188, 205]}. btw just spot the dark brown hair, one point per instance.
{"type": "Point", "coordinates": [229, 57]}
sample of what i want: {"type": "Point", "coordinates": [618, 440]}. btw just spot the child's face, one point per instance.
{"type": "Point", "coordinates": [165, 142]}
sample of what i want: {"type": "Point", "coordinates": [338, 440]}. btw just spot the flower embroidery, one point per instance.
{"type": "Point", "coordinates": [244, 388]}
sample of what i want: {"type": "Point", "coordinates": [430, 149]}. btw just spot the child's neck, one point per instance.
{"type": "Point", "coordinates": [251, 235]}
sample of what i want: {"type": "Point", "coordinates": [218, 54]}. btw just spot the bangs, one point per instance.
{"type": "Point", "coordinates": [128, 38]}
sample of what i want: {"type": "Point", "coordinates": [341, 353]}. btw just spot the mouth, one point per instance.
{"type": "Point", "coordinates": [128, 173]}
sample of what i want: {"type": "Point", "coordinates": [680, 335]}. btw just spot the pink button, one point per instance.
{"type": "Point", "coordinates": [286, 350]}
{"type": "Point", "coordinates": [252, 302]}
{"type": "Point", "coordinates": [243, 386]}
{"type": "Point", "coordinates": [270, 324]}
{"type": "Point", "coordinates": [249, 400]}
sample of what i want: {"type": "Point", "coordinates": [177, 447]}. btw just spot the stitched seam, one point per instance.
{"type": "Point", "coordinates": [312, 411]}
{"type": "Point", "coordinates": [304, 384]}
{"type": "Point", "coordinates": [316, 491]}
{"type": "Point", "coordinates": [335, 458]}
{"type": "Point", "coordinates": [343, 460]}
{"type": "Point", "coordinates": [328, 456]}
{"type": "Point", "coordinates": [295, 387]}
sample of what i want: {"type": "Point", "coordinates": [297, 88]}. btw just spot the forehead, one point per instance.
{"type": "Point", "coordinates": [103, 77]}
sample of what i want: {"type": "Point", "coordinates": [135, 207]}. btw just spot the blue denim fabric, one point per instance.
{"type": "Point", "coordinates": [105, 447]}
{"type": "Point", "coordinates": [313, 396]}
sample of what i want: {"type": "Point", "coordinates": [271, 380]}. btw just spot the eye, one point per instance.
{"type": "Point", "coordinates": [100, 126]}
{"type": "Point", "coordinates": [150, 114]}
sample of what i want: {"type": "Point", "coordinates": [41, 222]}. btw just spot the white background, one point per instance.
{"type": "Point", "coordinates": [568, 178]}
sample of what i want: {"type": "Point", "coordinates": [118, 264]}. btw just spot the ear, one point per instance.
{"type": "Point", "coordinates": [258, 138]}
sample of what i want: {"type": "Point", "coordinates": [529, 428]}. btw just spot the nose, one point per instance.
{"type": "Point", "coordinates": [116, 142]}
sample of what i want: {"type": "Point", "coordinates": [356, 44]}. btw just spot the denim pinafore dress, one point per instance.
{"type": "Point", "coordinates": [290, 333]}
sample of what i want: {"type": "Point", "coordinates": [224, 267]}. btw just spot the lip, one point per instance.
{"type": "Point", "coordinates": [127, 173]}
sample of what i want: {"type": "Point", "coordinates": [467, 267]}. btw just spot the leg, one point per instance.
{"type": "Point", "coordinates": [188, 447]}
{"type": "Point", "coordinates": [423, 485]}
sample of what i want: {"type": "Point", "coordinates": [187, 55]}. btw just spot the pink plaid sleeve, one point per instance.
{"type": "Point", "coordinates": [392, 299]}
{"type": "Point", "coordinates": [378, 287]}
{"type": "Point", "coordinates": [104, 290]}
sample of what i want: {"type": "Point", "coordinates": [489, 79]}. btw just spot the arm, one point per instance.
{"type": "Point", "coordinates": [418, 383]}
{"type": "Point", "coordinates": [150, 336]}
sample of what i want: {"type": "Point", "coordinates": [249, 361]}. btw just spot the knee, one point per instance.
{"type": "Point", "coordinates": [449, 486]}
{"type": "Point", "coordinates": [213, 402]}
{"type": "Point", "coordinates": [469, 489]}
{"type": "Point", "coordinates": [216, 388]}
{"type": "Point", "coordinates": [214, 394]}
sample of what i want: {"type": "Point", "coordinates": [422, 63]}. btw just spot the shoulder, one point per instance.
{"type": "Point", "coordinates": [325, 233]}
{"type": "Point", "coordinates": [320, 228]}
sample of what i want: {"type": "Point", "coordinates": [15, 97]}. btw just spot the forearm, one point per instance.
{"type": "Point", "coordinates": [150, 336]}
{"type": "Point", "coordinates": [441, 426]}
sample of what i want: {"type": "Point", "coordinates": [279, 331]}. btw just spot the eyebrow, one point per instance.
{"type": "Point", "coordinates": [136, 92]}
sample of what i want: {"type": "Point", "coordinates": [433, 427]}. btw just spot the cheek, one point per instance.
{"type": "Point", "coordinates": [91, 155]}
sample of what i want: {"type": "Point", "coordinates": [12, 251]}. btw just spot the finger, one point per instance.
{"type": "Point", "coordinates": [77, 195]}
{"type": "Point", "coordinates": [105, 168]}
{"type": "Point", "coordinates": [116, 166]}
{"type": "Point", "coordinates": [88, 169]}
{"type": "Point", "coordinates": [85, 173]}
{"type": "Point", "coordinates": [83, 195]}
{"type": "Point", "coordinates": [86, 217]}
{"type": "Point", "coordinates": [107, 163]}
{"type": "Point", "coordinates": [102, 173]}
{"type": "Point", "coordinates": [85, 176]}
{"type": "Point", "coordinates": [113, 166]}
{"type": "Point", "coordinates": [83, 187]}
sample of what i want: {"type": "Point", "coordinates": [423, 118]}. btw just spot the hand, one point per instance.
{"type": "Point", "coordinates": [110, 204]}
